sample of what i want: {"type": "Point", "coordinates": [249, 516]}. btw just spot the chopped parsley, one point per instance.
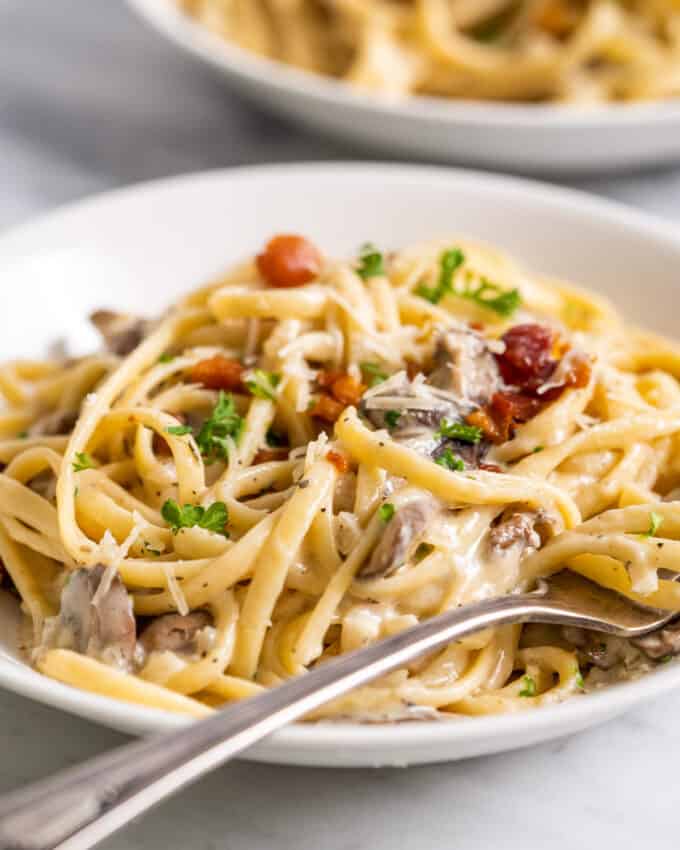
{"type": "Point", "coordinates": [449, 264]}
{"type": "Point", "coordinates": [263, 384]}
{"type": "Point", "coordinates": [179, 430]}
{"type": "Point", "coordinates": [22, 435]}
{"type": "Point", "coordinates": [485, 294]}
{"type": "Point", "coordinates": [655, 521]}
{"type": "Point", "coordinates": [537, 449]}
{"type": "Point", "coordinates": [578, 678]}
{"type": "Point", "coordinates": [460, 431]}
{"type": "Point", "coordinates": [422, 551]}
{"type": "Point", "coordinates": [448, 460]}
{"type": "Point", "coordinates": [83, 461]}
{"type": "Point", "coordinates": [374, 373]}
{"type": "Point", "coordinates": [370, 262]}
{"type": "Point", "coordinates": [392, 418]}
{"type": "Point", "coordinates": [224, 422]}
{"type": "Point", "coordinates": [166, 358]}
{"type": "Point", "coordinates": [212, 519]}
{"type": "Point", "coordinates": [529, 687]}
{"type": "Point", "coordinates": [386, 511]}
{"type": "Point", "coordinates": [503, 302]}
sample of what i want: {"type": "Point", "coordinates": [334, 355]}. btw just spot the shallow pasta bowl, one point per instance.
{"type": "Point", "coordinates": [526, 137]}
{"type": "Point", "coordinates": [139, 248]}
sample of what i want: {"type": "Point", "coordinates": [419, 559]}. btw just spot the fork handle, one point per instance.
{"type": "Point", "coordinates": [78, 807]}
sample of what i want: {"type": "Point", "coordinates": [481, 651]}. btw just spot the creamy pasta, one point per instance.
{"type": "Point", "coordinates": [519, 50]}
{"type": "Point", "coordinates": [307, 455]}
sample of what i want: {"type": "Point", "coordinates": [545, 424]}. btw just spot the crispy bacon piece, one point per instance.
{"type": "Point", "coordinates": [579, 372]}
{"type": "Point", "coordinates": [348, 390]}
{"type": "Point", "coordinates": [326, 408]}
{"type": "Point", "coordinates": [413, 369]}
{"type": "Point", "coordinates": [289, 260]}
{"type": "Point", "coordinates": [490, 467]}
{"type": "Point", "coordinates": [338, 460]}
{"type": "Point", "coordinates": [341, 386]}
{"type": "Point", "coordinates": [326, 379]}
{"type": "Point", "coordinates": [267, 455]}
{"type": "Point", "coordinates": [505, 410]}
{"type": "Point", "coordinates": [218, 373]}
{"type": "Point", "coordinates": [527, 360]}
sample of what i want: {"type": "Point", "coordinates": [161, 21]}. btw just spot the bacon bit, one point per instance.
{"type": "Point", "coordinates": [342, 386]}
{"type": "Point", "coordinates": [326, 408]}
{"type": "Point", "coordinates": [339, 461]}
{"type": "Point", "coordinates": [490, 467]}
{"type": "Point", "coordinates": [289, 260]}
{"type": "Point", "coordinates": [476, 326]}
{"type": "Point", "coordinates": [326, 379]}
{"type": "Point", "coordinates": [506, 409]}
{"type": "Point", "coordinates": [348, 390]}
{"type": "Point", "coordinates": [267, 455]}
{"type": "Point", "coordinates": [578, 375]}
{"type": "Point", "coordinates": [482, 419]}
{"type": "Point", "coordinates": [526, 362]}
{"type": "Point", "coordinates": [218, 373]}
{"type": "Point", "coordinates": [413, 369]}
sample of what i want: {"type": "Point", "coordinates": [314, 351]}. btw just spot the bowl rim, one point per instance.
{"type": "Point", "coordinates": [166, 17]}
{"type": "Point", "coordinates": [352, 737]}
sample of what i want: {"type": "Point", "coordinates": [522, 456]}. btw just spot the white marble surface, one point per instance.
{"type": "Point", "coordinates": [90, 100]}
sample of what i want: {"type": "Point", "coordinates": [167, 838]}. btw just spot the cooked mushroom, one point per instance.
{"type": "Point", "coordinates": [465, 366]}
{"type": "Point", "coordinates": [121, 332]}
{"type": "Point", "coordinates": [660, 643]}
{"type": "Point", "coordinates": [96, 621]}
{"type": "Point", "coordinates": [174, 632]}
{"type": "Point", "coordinates": [528, 529]}
{"type": "Point", "coordinates": [400, 535]}
{"type": "Point", "coordinates": [603, 651]}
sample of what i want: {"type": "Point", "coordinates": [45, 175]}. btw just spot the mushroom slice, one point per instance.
{"type": "Point", "coordinates": [174, 632]}
{"type": "Point", "coordinates": [122, 332]}
{"type": "Point", "coordinates": [660, 643]}
{"type": "Point", "coordinates": [96, 620]}
{"type": "Point", "coordinates": [400, 534]}
{"type": "Point", "coordinates": [465, 365]}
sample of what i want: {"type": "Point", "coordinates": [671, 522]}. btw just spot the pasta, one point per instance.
{"type": "Point", "coordinates": [574, 51]}
{"type": "Point", "coordinates": [307, 455]}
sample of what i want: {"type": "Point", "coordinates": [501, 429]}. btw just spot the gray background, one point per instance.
{"type": "Point", "coordinates": [89, 99]}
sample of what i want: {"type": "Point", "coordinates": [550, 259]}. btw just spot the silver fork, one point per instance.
{"type": "Point", "coordinates": [77, 808]}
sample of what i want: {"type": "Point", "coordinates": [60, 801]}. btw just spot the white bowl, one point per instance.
{"type": "Point", "coordinates": [530, 138]}
{"type": "Point", "coordinates": [140, 247]}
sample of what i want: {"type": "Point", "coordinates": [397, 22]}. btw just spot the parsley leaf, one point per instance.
{"type": "Point", "coordinates": [537, 449]}
{"type": "Point", "coordinates": [223, 422]}
{"type": "Point", "coordinates": [529, 689]}
{"type": "Point", "coordinates": [374, 372]}
{"type": "Point", "coordinates": [166, 358]}
{"type": "Point", "coordinates": [578, 678]}
{"type": "Point", "coordinates": [503, 302]}
{"type": "Point", "coordinates": [370, 262]}
{"type": "Point", "coordinates": [179, 430]}
{"type": "Point", "coordinates": [392, 418]}
{"type": "Point", "coordinates": [485, 294]}
{"type": "Point", "coordinates": [83, 461]}
{"type": "Point", "coordinates": [263, 384]}
{"type": "Point", "coordinates": [22, 435]}
{"type": "Point", "coordinates": [448, 460]}
{"type": "Point", "coordinates": [386, 511]}
{"type": "Point", "coordinates": [459, 431]}
{"type": "Point", "coordinates": [213, 518]}
{"type": "Point", "coordinates": [655, 521]}
{"type": "Point", "coordinates": [449, 263]}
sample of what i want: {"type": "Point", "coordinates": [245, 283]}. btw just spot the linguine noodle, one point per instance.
{"type": "Point", "coordinates": [517, 50]}
{"type": "Point", "coordinates": [308, 455]}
